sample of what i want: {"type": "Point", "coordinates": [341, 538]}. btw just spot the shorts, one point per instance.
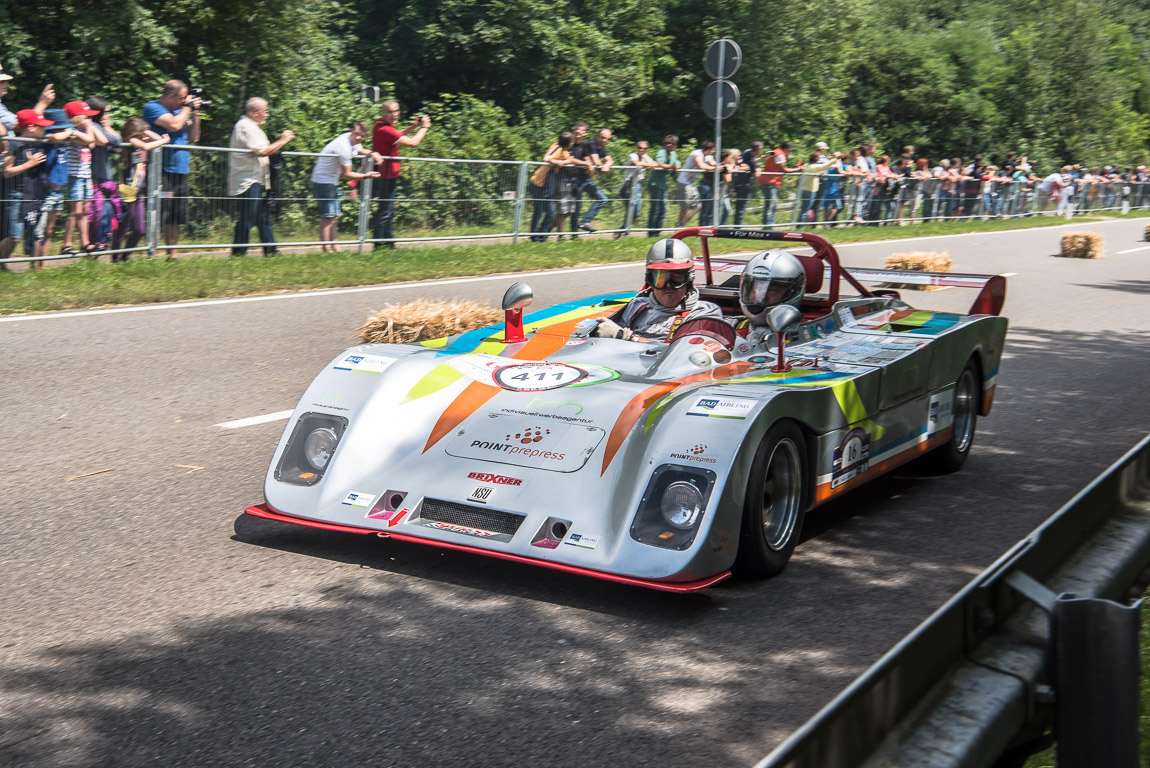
{"type": "Point", "coordinates": [54, 200]}
{"type": "Point", "coordinates": [688, 195]}
{"type": "Point", "coordinates": [327, 196]}
{"type": "Point", "coordinates": [79, 189]}
{"type": "Point", "coordinates": [174, 202]}
{"type": "Point", "coordinates": [832, 201]}
{"type": "Point", "coordinates": [566, 198]}
{"type": "Point", "coordinates": [12, 222]}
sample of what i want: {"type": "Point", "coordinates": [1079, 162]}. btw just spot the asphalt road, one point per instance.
{"type": "Point", "coordinates": [146, 621]}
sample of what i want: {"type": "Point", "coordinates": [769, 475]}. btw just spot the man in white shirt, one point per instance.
{"type": "Point", "coordinates": [335, 164]}
{"type": "Point", "coordinates": [1051, 187]}
{"type": "Point", "coordinates": [689, 198]}
{"type": "Point", "coordinates": [249, 176]}
{"type": "Point", "coordinates": [632, 190]}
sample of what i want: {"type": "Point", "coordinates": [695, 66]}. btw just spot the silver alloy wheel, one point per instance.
{"type": "Point", "coordinates": [965, 409]}
{"type": "Point", "coordinates": [782, 494]}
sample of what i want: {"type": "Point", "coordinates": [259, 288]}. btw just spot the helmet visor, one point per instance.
{"type": "Point", "coordinates": [759, 293]}
{"type": "Point", "coordinates": [667, 278]}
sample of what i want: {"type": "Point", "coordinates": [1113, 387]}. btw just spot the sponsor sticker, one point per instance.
{"type": "Point", "coordinates": [940, 415]}
{"type": "Point", "coordinates": [851, 457]}
{"type": "Point", "coordinates": [538, 443]}
{"type": "Point", "coordinates": [701, 359]}
{"type": "Point", "coordinates": [464, 529]}
{"type": "Point", "coordinates": [695, 455]}
{"type": "Point", "coordinates": [712, 346]}
{"type": "Point", "coordinates": [359, 499]}
{"type": "Point", "coordinates": [581, 540]}
{"type": "Point", "coordinates": [722, 356]}
{"type": "Point", "coordinates": [722, 407]}
{"type": "Point", "coordinates": [364, 363]}
{"type": "Point", "coordinates": [482, 494]}
{"type": "Point", "coordinates": [487, 477]}
{"type": "Point", "coordinates": [845, 316]}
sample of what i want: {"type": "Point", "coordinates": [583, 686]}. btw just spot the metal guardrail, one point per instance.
{"type": "Point", "coordinates": [445, 199]}
{"type": "Point", "coordinates": [989, 669]}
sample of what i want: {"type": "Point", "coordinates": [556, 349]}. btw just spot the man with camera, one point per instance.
{"type": "Point", "coordinates": [385, 144]}
{"type": "Point", "coordinates": [249, 175]}
{"type": "Point", "coordinates": [176, 115]}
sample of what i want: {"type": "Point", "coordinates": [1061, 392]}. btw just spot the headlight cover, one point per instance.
{"type": "Point", "coordinates": [673, 506]}
{"type": "Point", "coordinates": [309, 450]}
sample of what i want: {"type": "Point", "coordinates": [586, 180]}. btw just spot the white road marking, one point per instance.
{"type": "Point", "coordinates": [306, 294]}
{"type": "Point", "coordinates": [252, 420]}
{"type": "Point", "coordinates": [462, 280]}
{"type": "Point", "coordinates": [1135, 250]}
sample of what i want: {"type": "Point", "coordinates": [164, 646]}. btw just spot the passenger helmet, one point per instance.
{"type": "Point", "coordinates": [670, 263]}
{"type": "Point", "coordinates": [769, 279]}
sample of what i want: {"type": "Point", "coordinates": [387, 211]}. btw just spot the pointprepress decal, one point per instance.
{"type": "Point", "coordinates": [538, 443]}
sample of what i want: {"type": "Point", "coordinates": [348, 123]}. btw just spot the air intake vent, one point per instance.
{"type": "Point", "coordinates": [473, 517]}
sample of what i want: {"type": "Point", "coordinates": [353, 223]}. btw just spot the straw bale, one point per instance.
{"type": "Point", "coordinates": [919, 261]}
{"type": "Point", "coordinates": [1146, 233]}
{"type": "Point", "coordinates": [1082, 245]}
{"type": "Point", "coordinates": [423, 319]}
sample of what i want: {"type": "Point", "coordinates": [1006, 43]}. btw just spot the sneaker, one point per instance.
{"type": "Point", "coordinates": [587, 228]}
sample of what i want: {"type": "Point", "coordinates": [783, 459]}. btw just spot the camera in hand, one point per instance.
{"type": "Point", "coordinates": [197, 93]}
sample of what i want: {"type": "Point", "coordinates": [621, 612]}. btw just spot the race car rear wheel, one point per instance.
{"type": "Point", "coordinates": [950, 456]}
{"type": "Point", "coordinates": [775, 502]}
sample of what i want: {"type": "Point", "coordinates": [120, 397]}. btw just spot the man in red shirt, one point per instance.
{"type": "Point", "coordinates": [770, 178]}
{"type": "Point", "coordinates": [385, 144]}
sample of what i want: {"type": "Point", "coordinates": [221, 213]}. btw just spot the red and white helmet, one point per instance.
{"type": "Point", "coordinates": [670, 263]}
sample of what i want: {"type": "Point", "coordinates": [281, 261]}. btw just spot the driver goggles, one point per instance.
{"type": "Point", "coordinates": [667, 278]}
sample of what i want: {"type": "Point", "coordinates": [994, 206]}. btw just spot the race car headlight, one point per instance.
{"type": "Point", "coordinates": [318, 447]}
{"type": "Point", "coordinates": [682, 504]}
{"type": "Point", "coordinates": [672, 507]}
{"type": "Point", "coordinates": [309, 450]}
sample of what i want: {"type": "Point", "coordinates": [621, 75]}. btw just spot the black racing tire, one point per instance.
{"type": "Point", "coordinates": [775, 502]}
{"type": "Point", "coordinates": [950, 456]}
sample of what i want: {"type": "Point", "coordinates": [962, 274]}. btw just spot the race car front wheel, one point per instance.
{"type": "Point", "coordinates": [775, 502]}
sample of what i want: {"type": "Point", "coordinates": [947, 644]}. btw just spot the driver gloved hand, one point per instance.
{"type": "Point", "coordinates": [608, 329]}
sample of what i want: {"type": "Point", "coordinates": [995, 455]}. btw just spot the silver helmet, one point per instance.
{"type": "Point", "coordinates": [670, 263]}
{"type": "Point", "coordinates": [769, 279]}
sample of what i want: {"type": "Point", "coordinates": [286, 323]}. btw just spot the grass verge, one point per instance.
{"type": "Point", "coordinates": [93, 284]}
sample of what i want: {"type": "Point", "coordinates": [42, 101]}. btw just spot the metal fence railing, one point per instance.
{"type": "Point", "coordinates": [456, 199]}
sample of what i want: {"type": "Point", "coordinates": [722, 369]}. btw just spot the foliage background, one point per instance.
{"type": "Point", "coordinates": [1060, 80]}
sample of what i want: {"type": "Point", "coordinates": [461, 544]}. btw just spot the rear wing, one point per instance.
{"type": "Point", "coordinates": [990, 299]}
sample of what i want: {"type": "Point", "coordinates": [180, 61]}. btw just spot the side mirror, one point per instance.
{"type": "Point", "coordinates": [517, 298]}
{"type": "Point", "coordinates": [779, 320]}
{"type": "Point", "coordinates": [782, 317]}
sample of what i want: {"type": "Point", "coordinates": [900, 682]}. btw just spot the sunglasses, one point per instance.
{"type": "Point", "coordinates": [667, 278]}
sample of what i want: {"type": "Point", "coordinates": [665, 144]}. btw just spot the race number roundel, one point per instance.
{"type": "Point", "coordinates": [536, 377]}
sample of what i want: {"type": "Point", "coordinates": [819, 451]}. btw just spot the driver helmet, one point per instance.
{"type": "Point", "coordinates": [670, 264]}
{"type": "Point", "coordinates": [769, 279]}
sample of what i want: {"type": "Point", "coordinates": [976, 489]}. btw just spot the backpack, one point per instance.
{"type": "Point", "coordinates": [57, 164]}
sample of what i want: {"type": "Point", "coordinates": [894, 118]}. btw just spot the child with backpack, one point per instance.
{"type": "Point", "coordinates": [43, 173]}
{"type": "Point", "coordinates": [137, 142]}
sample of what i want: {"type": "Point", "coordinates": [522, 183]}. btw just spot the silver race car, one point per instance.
{"type": "Point", "coordinates": [664, 465]}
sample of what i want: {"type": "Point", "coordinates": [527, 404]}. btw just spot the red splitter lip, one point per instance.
{"type": "Point", "coordinates": [680, 587]}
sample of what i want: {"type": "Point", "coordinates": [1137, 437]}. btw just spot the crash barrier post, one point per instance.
{"type": "Point", "coordinates": [1045, 630]}
{"type": "Point", "coordinates": [364, 209]}
{"type": "Point", "coordinates": [456, 199]}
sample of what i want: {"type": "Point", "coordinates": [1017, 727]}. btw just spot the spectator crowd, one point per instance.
{"type": "Point", "coordinates": [64, 166]}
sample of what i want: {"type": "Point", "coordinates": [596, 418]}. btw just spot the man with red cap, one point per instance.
{"type": "Point", "coordinates": [668, 299]}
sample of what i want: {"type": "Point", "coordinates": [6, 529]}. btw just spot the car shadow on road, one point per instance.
{"type": "Point", "coordinates": [1126, 286]}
